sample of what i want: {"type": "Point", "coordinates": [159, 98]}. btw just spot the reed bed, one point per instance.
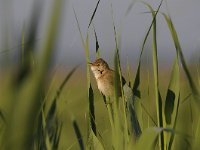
{"type": "Point", "coordinates": [40, 114]}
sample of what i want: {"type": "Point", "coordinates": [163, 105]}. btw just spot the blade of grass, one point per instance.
{"type": "Point", "coordinates": [119, 83]}
{"type": "Point", "coordinates": [79, 28]}
{"type": "Point", "coordinates": [29, 96]}
{"type": "Point", "coordinates": [195, 90]}
{"type": "Point", "coordinates": [51, 111]}
{"type": "Point", "coordinates": [23, 43]}
{"type": "Point", "coordinates": [78, 135]}
{"type": "Point", "coordinates": [149, 115]}
{"type": "Point", "coordinates": [97, 44]}
{"type": "Point", "coordinates": [156, 81]}
{"type": "Point", "coordinates": [91, 109]}
{"type": "Point", "coordinates": [172, 98]}
{"type": "Point", "coordinates": [128, 71]}
{"type": "Point", "coordinates": [27, 50]}
{"type": "Point", "coordinates": [94, 12]}
{"type": "Point", "coordinates": [47, 139]}
{"type": "Point", "coordinates": [174, 35]}
{"type": "Point", "coordinates": [148, 139]}
{"type": "Point", "coordinates": [61, 87]}
{"type": "Point", "coordinates": [51, 118]}
{"type": "Point", "coordinates": [97, 143]}
{"type": "Point", "coordinates": [92, 124]}
{"type": "Point", "coordinates": [198, 72]}
{"type": "Point", "coordinates": [174, 125]}
{"type": "Point", "coordinates": [90, 98]}
{"type": "Point", "coordinates": [57, 136]}
{"type": "Point", "coordinates": [136, 84]}
{"type": "Point", "coordinates": [2, 117]}
{"type": "Point", "coordinates": [94, 142]}
{"type": "Point", "coordinates": [118, 135]}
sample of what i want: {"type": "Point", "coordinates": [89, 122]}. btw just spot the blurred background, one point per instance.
{"type": "Point", "coordinates": [27, 27]}
{"type": "Point", "coordinates": [131, 24]}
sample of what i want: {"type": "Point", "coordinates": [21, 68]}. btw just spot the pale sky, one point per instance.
{"type": "Point", "coordinates": [14, 14]}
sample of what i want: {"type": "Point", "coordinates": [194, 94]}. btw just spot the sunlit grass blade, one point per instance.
{"type": "Point", "coordinates": [159, 108]}
{"type": "Point", "coordinates": [46, 137]}
{"type": "Point", "coordinates": [137, 78]}
{"type": "Point", "coordinates": [93, 13]}
{"type": "Point", "coordinates": [92, 124]}
{"type": "Point", "coordinates": [57, 135]}
{"type": "Point", "coordinates": [136, 90]}
{"type": "Point", "coordinates": [149, 115]}
{"type": "Point", "coordinates": [28, 100]}
{"type": "Point", "coordinates": [79, 28]}
{"type": "Point", "coordinates": [172, 96]}
{"type": "Point", "coordinates": [51, 117]}
{"type": "Point", "coordinates": [174, 123]}
{"type": "Point", "coordinates": [149, 29]}
{"type": "Point", "coordinates": [130, 7]}
{"type": "Point", "coordinates": [119, 82]}
{"type": "Point", "coordinates": [148, 139]}
{"type": "Point", "coordinates": [23, 45]}
{"type": "Point", "coordinates": [51, 34]}
{"type": "Point", "coordinates": [136, 127]}
{"type": "Point", "coordinates": [97, 45]}
{"type": "Point", "coordinates": [94, 142]}
{"type": "Point", "coordinates": [156, 81]}
{"type": "Point", "coordinates": [136, 84]}
{"type": "Point", "coordinates": [2, 117]}
{"type": "Point", "coordinates": [27, 50]}
{"type": "Point", "coordinates": [196, 143]}
{"type": "Point", "coordinates": [128, 71]}
{"type": "Point", "coordinates": [117, 135]}
{"type": "Point", "coordinates": [3, 125]}
{"type": "Point", "coordinates": [86, 48]}
{"type": "Point", "coordinates": [97, 143]}
{"type": "Point", "coordinates": [172, 100]}
{"type": "Point", "coordinates": [78, 135]}
{"type": "Point", "coordinates": [198, 73]}
{"type": "Point", "coordinates": [194, 89]}
{"type": "Point", "coordinates": [29, 36]}
{"type": "Point", "coordinates": [92, 110]}
{"type": "Point", "coordinates": [174, 35]}
{"type": "Point", "coordinates": [60, 89]}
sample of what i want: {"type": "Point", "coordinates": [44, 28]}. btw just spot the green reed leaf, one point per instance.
{"type": "Point", "coordinates": [78, 135]}
{"type": "Point", "coordinates": [94, 12]}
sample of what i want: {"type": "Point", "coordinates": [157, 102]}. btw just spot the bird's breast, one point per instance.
{"type": "Point", "coordinates": [106, 87]}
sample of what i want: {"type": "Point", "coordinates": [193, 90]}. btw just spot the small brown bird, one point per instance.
{"type": "Point", "coordinates": [105, 77]}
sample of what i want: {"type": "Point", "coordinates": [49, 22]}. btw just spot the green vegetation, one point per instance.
{"type": "Point", "coordinates": [39, 110]}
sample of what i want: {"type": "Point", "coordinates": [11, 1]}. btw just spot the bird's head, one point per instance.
{"type": "Point", "coordinates": [98, 67]}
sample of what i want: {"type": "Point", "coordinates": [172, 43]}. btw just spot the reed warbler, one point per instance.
{"type": "Point", "coordinates": [105, 78]}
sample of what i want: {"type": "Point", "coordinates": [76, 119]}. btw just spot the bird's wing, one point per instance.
{"type": "Point", "coordinates": [123, 79]}
{"type": "Point", "coordinates": [129, 97]}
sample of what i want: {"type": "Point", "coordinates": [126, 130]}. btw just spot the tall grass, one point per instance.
{"type": "Point", "coordinates": [29, 120]}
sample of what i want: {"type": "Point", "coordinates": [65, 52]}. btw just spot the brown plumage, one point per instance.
{"type": "Point", "coordinates": [105, 77]}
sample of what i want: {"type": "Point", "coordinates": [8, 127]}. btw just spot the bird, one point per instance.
{"type": "Point", "coordinates": [105, 78]}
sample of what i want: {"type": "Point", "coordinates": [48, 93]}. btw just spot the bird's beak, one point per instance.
{"type": "Point", "coordinates": [90, 63]}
